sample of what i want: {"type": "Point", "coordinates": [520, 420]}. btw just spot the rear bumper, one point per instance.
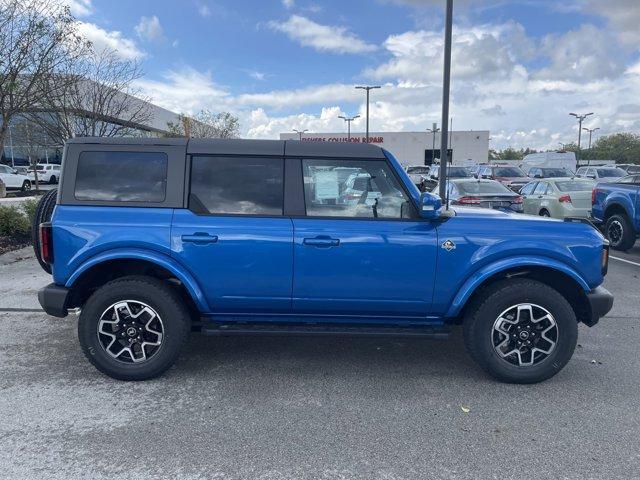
{"type": "Point", "coordinates": [601, 302]}
{"type": "Point", "coordinates": [53, 299]}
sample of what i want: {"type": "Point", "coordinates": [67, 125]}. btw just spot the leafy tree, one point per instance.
{"type": "Point", "coordinates": [621, 147]}
{"type": "Point", "coordinates": [205, 124]}
{"type": "Point", "coordinates": [510, 153]}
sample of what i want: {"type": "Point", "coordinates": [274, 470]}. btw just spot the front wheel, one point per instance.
{"type": "Point", "coordinates": [619, 232]}
{"type": "Point", "coordinates": [26, 186]}
{"type": "Point", "coordinates": [133, 328]}
{"type": "Point", "coordinates": [521, 331]}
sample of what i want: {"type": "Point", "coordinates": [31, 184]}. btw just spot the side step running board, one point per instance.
{"type": "Point", "coordinates": [227, 329]}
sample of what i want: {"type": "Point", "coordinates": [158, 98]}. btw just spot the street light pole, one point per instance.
{"type": "Point", "coordinates": [348, 120]}
{"type": "Point", "coordinates": [368, 89]}
{"type": "Point", "coordinates": [590, 130]}
{"type": "Point", "coordinates": [300, 133]}
{"type": "Point", "coordinates": [433, 131]}
{"type": "Point", "coordinates": [446, 85]}
{"type": "Point", "coordinates": [580, 120]}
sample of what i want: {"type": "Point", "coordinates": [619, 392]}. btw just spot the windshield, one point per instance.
{"type": "Point", "coordinates": [574, 186]}
{"type": "Point", "coordinates": [418, 170]}
{"type": "Point", "coordinates": [556, 172]}
{"type": "Point", "coordinates": [611, 172]}
{"type": "Point", "coordinates": [483, 187]}
{"type": "Point", "coordinates": [458, 172]}
{"type": "Point", "coordinates": [508, 172]}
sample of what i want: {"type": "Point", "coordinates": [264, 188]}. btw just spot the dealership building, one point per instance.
{"type": "Point", "coordinates": [414, 148]}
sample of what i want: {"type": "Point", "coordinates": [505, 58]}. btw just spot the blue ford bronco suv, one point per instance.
{"type": "Point", "coordinates": [150, 239]}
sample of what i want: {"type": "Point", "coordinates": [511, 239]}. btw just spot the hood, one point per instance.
{"type": "Point", "coordinates": [474, 212]}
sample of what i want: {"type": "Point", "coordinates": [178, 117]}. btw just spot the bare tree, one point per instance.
{"type": "Point", "coordinates": [33, 142]}
{"type": "Point", "coordinates": [206, 124]}
{"type": "Point", "coordinates": [38, 39]}
{"type": "Point", "coordinates": [98, 99]}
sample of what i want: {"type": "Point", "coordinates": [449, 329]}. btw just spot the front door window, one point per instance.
{"type": "Point", "coordinates": [353, 189]}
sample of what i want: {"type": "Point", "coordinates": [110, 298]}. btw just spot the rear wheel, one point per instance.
{"type": "Point", "coordinates": [133, 328]}
{"type": "Point", "coordinates": [53, 179]}
{"type": "Point", "coordinates": [521, 331]}
{"type": "Point", "coordinates": [620, 232]}
{"type": "Point", "coordinates": [544, 213]}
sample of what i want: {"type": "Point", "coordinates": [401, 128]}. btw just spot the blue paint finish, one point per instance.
{"type": "Point", "coordinates": [84, 237]}
{"type": "Point", "coordinates": [80, 233]}
{"type": "Point", "coordinates": [149, 256]}
{"type": "Point", "coordinates": [621, 195]}
{"type": "Point", "coordinates": [488, 242]}
{"type": "Point", "coordinates": [374, 268]}
{"type": "Point", "coordinates": [316, 269]}
{"type": "Point", "coordinates": [248, 268]}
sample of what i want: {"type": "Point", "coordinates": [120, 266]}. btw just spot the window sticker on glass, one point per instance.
{"type": "Point", "coordinates": [326, 185]}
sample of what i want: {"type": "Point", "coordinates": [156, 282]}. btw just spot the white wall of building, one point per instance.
{"type": "Point", "coordinates": [409, 147]}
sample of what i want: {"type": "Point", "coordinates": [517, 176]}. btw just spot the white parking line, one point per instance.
{"type": "Point", "coordinates": [625, 261]}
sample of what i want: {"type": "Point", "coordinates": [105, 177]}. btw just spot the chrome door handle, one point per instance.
{"type": "Point", "coordinates": [321, 242]}
{"type": "Point", "coordinates": [200, 238]}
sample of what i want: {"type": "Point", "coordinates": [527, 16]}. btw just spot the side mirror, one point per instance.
{"type": "Point", "coordinates": [430, 206]}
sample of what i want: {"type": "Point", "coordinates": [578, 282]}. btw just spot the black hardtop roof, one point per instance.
{"type": "Point", "coordinates": [221, 146]}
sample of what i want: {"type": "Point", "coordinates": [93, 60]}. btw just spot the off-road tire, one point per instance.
{"type": "Point", "coordinates": [159, 296]}
{"type": "Point", "coordinates": [628, 237]}
{"type": "Point", "coordinates": [495, 299]}
{"type": "Point", "coordinates": [43, 213]}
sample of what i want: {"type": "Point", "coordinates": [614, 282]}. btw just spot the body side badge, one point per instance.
{"type": "Point", "coordinates": [448, 245]}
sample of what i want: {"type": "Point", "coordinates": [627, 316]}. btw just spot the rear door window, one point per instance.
{"type": "Point", "coordinates": [121, 176]}
{"type": "Point", "coordinates": [541, 189]}
{"type": "Point", "coordinates": [237, 186]}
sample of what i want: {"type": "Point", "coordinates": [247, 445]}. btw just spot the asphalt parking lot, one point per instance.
{"type": "Point", "coordinates": [298, 408]}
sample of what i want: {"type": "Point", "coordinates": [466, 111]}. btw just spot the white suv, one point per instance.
{"type": "Point", "coordinates": [13, 180]}
{"type": "Point", "coordinates": [601, 174]}
{"type": "Point", "coordinates": [47, 173]}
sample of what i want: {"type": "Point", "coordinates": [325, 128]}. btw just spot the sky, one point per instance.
{"type": "Point", "coordinates": [519, 67]}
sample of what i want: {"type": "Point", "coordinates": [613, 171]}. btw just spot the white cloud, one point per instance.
{"type": "Point", "coordinates": [261, 76]}
{"type": "Point", "coordinates": [288, 3]}
{"type": "Point", "coordinates": [203, 9]}
{"type": "Point", "coordinates": [586, 53]}
{"type": "Point", "coordinates": [485, 50]}
{"type": "Point", "coordinates": [185, 90]}
{"type": "Point", "coordinates": [149, 28]}
{"type": "Point", "coordinates": [324, 38]}
{"type": "Point", "coordinates": [312, 95]}
{"type": "Point", "coordinates": [623, 16]}
{"type": "Point", "coordinates": [110, 40]}
{"type": "Point", "coordinates": [79, 8]}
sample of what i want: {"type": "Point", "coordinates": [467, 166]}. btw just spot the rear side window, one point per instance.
{"type": "Point", "coordinates": [237, 186]}
{"type": "Point", "coordinates": [121, 176]}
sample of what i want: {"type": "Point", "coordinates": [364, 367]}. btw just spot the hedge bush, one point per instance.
{"type": "Point", "coordinates": [29, 208]}
{"type": "Point", "coordinates": [13, 221]}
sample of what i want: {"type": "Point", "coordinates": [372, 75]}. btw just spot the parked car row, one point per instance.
{"type": "Point", "coordinates": [22, 178]}
{"type": "Point", "coordinates": [613, 205]}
